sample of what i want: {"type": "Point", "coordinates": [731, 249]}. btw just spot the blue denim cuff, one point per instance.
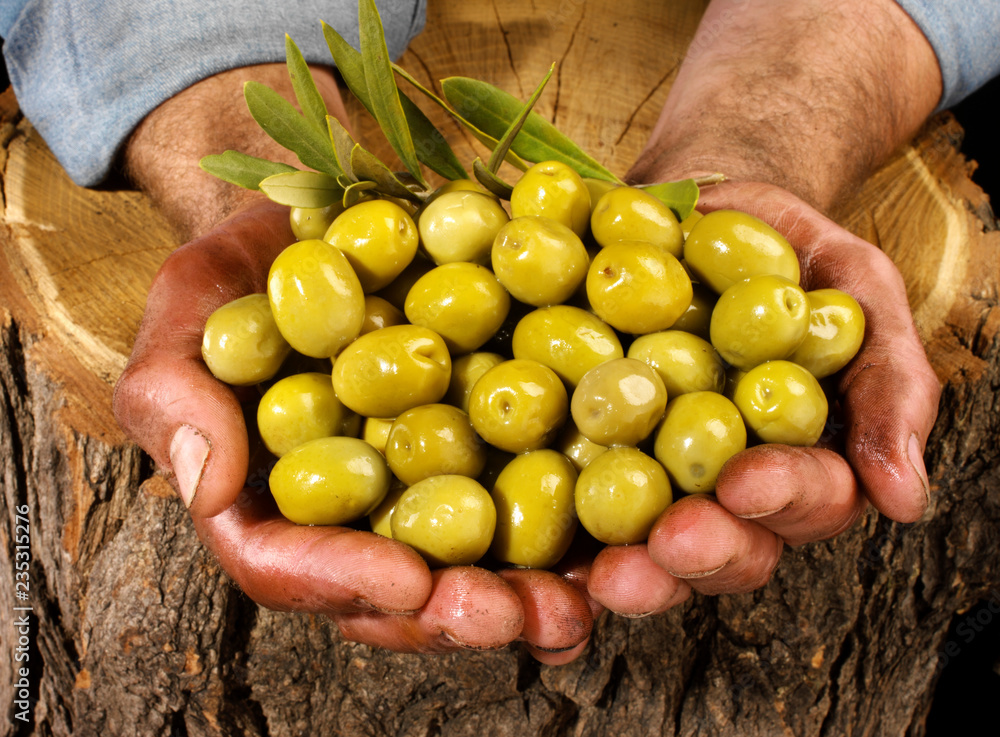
{"type": "Point", "coordinates": [85, 73]}
{"type": "Point", "coordinates": [966, 38]}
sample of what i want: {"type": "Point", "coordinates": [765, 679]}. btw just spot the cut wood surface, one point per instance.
{"type": "Point", "coordinates": [136, 630]}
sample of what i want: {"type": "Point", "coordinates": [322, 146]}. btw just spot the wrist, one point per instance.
{"type": "Point", "coordinates": [162, 155]}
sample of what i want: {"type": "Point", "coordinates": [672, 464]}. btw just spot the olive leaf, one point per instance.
{"type": "Point", "coordinates": [490, 180]}
{"type": "Point", "coordinates": [487, 140]}
{"type": "Point", "coordinates": [492, 110]}
{"type": "Point", "coordinates": [504, 144]}
{"type": "Point", "coordinates": [309, 99]}
{"type": "Point", "coordinates": [282, 122]}
{"type": "Point", "coordinates": [382, 92]}
{"type": "Point", "coordinates": [431, 147]}
{"type": "Point", "coordinates": [343, 144]}
{"type": "Point", "coordinates": [680, 196]}
{"type": "Point", "coordinates": [367, 166]}
{"type": "Point", "coordinates": [302, 189]}
{"type": "Point", "coordinates": [354, 193]}
{"type": "Point", "coordinates": [242, 169]}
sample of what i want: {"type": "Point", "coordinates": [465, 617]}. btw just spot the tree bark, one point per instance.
{"type": "Point", "coordinates": [136, 630]}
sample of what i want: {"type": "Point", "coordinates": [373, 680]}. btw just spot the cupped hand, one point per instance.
{"type": "Point", "coordinates": [770, 495]}
{"type": "Point", "coordinates": [379, 591]}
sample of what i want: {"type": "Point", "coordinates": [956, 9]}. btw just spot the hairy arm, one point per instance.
{"type": "Point", "coordinates": [808, 95]}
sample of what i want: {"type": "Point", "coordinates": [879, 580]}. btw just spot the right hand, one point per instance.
{"type": "Point", "coordinates": [379, 591]}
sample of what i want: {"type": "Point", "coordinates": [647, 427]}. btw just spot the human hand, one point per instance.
{"type": "Point", "coordinates": [770, 495]}
{"type": "Point", "coordinates": [377, 590]}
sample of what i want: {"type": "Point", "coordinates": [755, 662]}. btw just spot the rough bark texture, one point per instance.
{"type": "Point", "coordinates": [136, 630]}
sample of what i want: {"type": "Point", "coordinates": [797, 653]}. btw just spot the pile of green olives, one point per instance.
{"type": "Point", "coordinates": [480, 380]}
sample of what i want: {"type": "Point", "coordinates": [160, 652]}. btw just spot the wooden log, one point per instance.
{"type": "Point", "coordinates": [136, 630]}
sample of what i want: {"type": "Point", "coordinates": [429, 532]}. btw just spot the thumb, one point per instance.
{"type": "Point", "coordinates": [166, 399]}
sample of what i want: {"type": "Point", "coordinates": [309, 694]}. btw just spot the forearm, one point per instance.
{"type": "Point", "coordinates": [810, 95]}
{"type": "Point", "coordinates": [209, 117]}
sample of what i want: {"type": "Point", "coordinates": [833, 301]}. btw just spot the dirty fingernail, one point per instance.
{"type": "Point", "coordinates": [189, 451]}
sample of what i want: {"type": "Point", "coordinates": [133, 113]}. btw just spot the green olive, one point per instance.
{"type": "Point", "coordinates": [459, 185]}
{"type": "Point", "coordinates": [388, 371]}
{"type": "Point", "coordinates": [378, 237]}
{"type": "Point", "coordinates": [576, 446]}
{"type": "Point", "coordinates": [396, 291]}
{"type": "Point", "coordinates": [538, 260]}
{"type": "Point", "coordinates": [568, 340]}
{"type": "Point", "coordinates": [836, 329]}
{"type": "Point", "coordinates": [619, 402]}
{"type": "Point", "coordinates": [699, 433]}
{"type": "Point", "coordinates": [536, 515]}
{"type": "Point", "coordinates": [449, 520]}
{"type": "Point", "coordinates": [620, 495]}
{"type": "Point", "coordinates": [518, 405]}
{"type": "Point", "coordinates": [782, 403]}
{"type": "Point", "coordinates": [461, 226]}
{"type": "Point", "coordinates": [242, 344]}
{"type": "Point", "coordinates": [697, 318]}
{"type": "Point", "coordinates": [312, 222]}
{"type": "Point", "coordinates": [300, 408]}
{"type": "Point", "coordinates": [597, 189]}
{"type": "Point", "coordinates": [316, 298]}
{"type": "Point", "coordinates": [329, 481]}
{"type": "Point", "coordinates": [380, 518]}
{"type": "Point", "coordinates": [553, 190]}
{"type": "Point", "coordinates": [375, 432]}
{"type": "Point", "coordinates": [637, 287]}
{"type": "Point", "coordinates": [380, 313]}
{"type": "Point", "coordinates": [759, 319]}
{"type": "Point", "coordinates": [727, 246]}
{"type": "Point", "coordinates": [688, 222]}
{"type": "Point", "coordinates": [462, 302]}
{"type": "Point", "coordinates": [685, 362]}
{"type": "Point", "coordinates": [629, 214]}
{"type": "Point", "coordinates": [465, 372]}
{"type": "Point", "coordinates": [432, 440]}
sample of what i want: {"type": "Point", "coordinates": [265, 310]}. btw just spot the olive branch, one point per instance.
{"type": "Point", "coordinates": [341, 169]}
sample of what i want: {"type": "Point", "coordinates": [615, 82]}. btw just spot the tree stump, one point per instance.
{"type": "Point", "coordinates": [135, 629]}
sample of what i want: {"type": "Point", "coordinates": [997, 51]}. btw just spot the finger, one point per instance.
{"type": "Point", "coordinates": [801, 494]}
{"type": "Point", "coordinates": [468, 607]}
{"type": "Point", "coordinates": [627, 581]}
{"type": "Point", "coordinates": [557, 617]}
{"type": "Point", "coordinates": [327, 570]}
{"type": "Point", "coordinates": [697, 540]}
{"type": "Point", "coordinates": [166, 400]}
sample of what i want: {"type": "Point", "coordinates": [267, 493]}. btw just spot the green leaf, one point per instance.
{"type": "Point", "coordinates": [491, 181]}
{"type": "Point", "coordinates": [241, 169]}
{"type": "Point", "coordinates": [282, 122]}
{"type": "Point", "coordinates": [681, 196]}
{"type": "Point", "coordinates": [382, 92]}
{"type": "Point", "coordinates": [367, 166]}
{"type": "Point", "coordinates": [302, 189]}
{"type": "Point", "coordinates": [512, 130]}
{"type": "Point", "coordinates": [354, 193]}
{"type": "Point", "coordinates": [431, 147]}
{"type": "Point", "coordinates": [492, 110]}
{"type": "Point", "coordinates": [309, 99]}
{"type": "Point", "coordinates": [343, 144]}
{"type": "Point", "coordinates": [489, 141]}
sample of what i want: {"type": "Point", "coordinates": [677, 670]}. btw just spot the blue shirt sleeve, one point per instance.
{"type": "Point", "coordinates": [86, 73]}
{"type": "Point", "coordinates": [966, 39]}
